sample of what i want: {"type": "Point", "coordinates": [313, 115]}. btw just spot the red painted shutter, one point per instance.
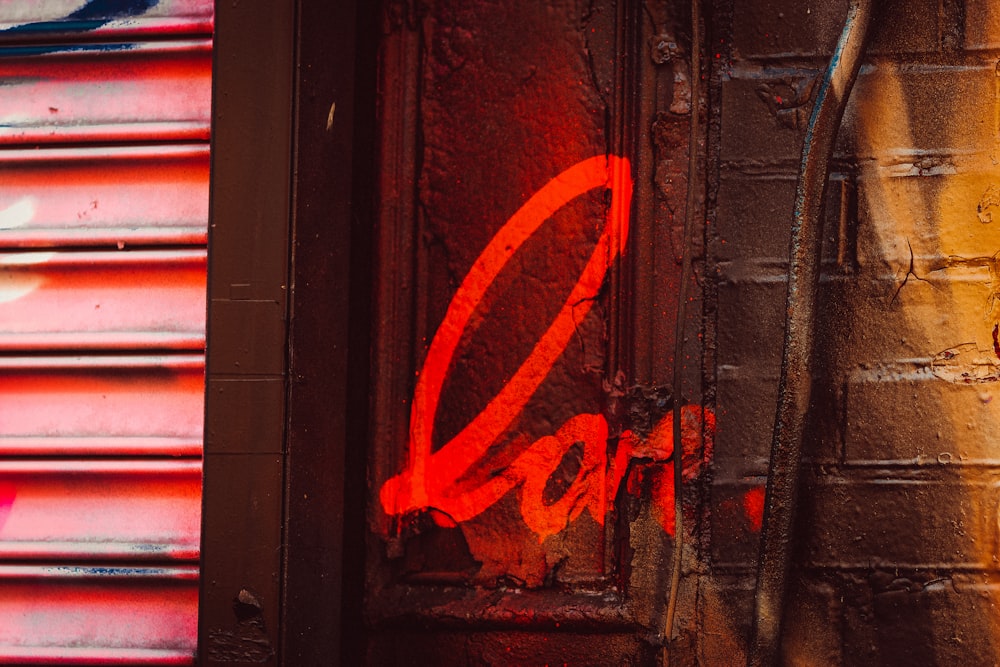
{"type": "Point", "coordinates": [104, 127]}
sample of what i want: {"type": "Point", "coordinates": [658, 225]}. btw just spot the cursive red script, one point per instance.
{"type": "Point", "coordinates": [430, 478]}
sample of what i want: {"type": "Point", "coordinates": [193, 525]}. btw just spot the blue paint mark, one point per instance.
{"type": "Point", "coordinates": [49, 26]}
{"type": "Point", "coordinates": [107, 10]}
{"type": "Point", "coordinates": [91, 16]}
{"type": "Point", "coordinates": [111, 571]}
{"type": "Point", "coordinates": [22, 51]}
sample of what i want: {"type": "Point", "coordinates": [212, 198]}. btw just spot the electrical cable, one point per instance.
{"type": "Point", "coordinates": [794, 386]}
{"type": "Point", "coordinates": [682, 299]}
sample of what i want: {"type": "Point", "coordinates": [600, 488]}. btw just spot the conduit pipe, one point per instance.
{"type": "Point", "coordinates": [679, 325]}
{"type": "Point", "coordinates": [794, 385]}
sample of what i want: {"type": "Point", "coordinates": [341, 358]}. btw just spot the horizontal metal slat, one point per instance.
{"type": "Point", "coordinates": [104, 362]}
{"type": "Point", "coordinates": [66, 19]}
{"type": "Point", "coordinates": [107, 467]}
{"type": "Point", "coordinates": [119, 550]}
{"type": "Point", "coordinates": [110, 575]}
{"type": "Point", "coordinates": [100, 509]}
{"type": "Point", "coordinates": [103, 300]}
{"type": "Point", "coordinates": [106, 574]}
{"type": "Point", "coordinates": [104, 196]}
{"type": "Point", "coordinates": [91, 615]}
{"type": "Point", "coordinates": [106, 93]}
{"type": "Point", "coordinates": [101, 399]}
{"type": "Point", "coordinates": [80, 655]}
{"type": "Point", "coordinates": [111, 340]}
{"type": "Point", "coordinates": [96, 445]}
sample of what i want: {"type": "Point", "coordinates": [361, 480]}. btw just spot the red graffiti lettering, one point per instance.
{"type": "Point", "coordinates": [538, 463]}
{"type": "Point", "coordinates": [430, 480]}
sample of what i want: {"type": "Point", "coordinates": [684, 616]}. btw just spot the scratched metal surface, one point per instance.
{"type": "Point", "coordinates": [86, 196]}
{"type": "Point", "coordinates": [104, 124]}
{"type": "Point", "coordinates": [101, 405]}
{"type": "Point", "coordinates": [112, 299]}
{"type": "Point", "coordinates": [114, 509]}
{"type": "Point", "coordinates": [105, 92]}
{"type": "Point", "coordinates": [96, 614]}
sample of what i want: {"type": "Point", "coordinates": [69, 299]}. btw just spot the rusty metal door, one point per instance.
{"type": "Point", "coordinates": [104, 161]}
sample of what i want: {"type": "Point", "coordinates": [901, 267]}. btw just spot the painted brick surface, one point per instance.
{"type": "Point", "coordinates": [751, 322]}
{"type": "Point", "coordinates": [734, 543]}
{"type": "Point", "coordinates": [771, 29]}
{"type": "Point", "coordinates": [897, 538]}
{"type": "Point", "coordinates": [937, 522]}
{"type": "Point", "coordinates": [932, 421]}
{"type": "Point", "coordinates": [921, 619]}
{"type": "Point", "coordinates": [744, 422]}
{"type": "Point", "coordinates": [977, 26]}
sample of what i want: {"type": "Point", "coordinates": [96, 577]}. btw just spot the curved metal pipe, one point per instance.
{"type": "Point", "coordinates": [794, 387]}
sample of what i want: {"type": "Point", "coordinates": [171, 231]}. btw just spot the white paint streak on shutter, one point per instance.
{"type": "Point", "coordinates": [88, 196]}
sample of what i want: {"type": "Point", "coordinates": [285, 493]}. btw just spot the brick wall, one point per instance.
{"type": "Point", "coordinates": [897, 539]}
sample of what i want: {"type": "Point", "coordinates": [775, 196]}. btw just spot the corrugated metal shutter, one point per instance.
{"type": "Point", "coordinates": [104, 127]}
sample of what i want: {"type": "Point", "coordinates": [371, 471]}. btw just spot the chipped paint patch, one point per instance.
{"type": "Point", "coordinates": [965, 364]}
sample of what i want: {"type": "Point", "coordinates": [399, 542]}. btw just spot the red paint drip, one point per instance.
{"type": "Point", "coordinates": [753, 507]}
{"type": "Point", "coordinates": [697, 440]}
